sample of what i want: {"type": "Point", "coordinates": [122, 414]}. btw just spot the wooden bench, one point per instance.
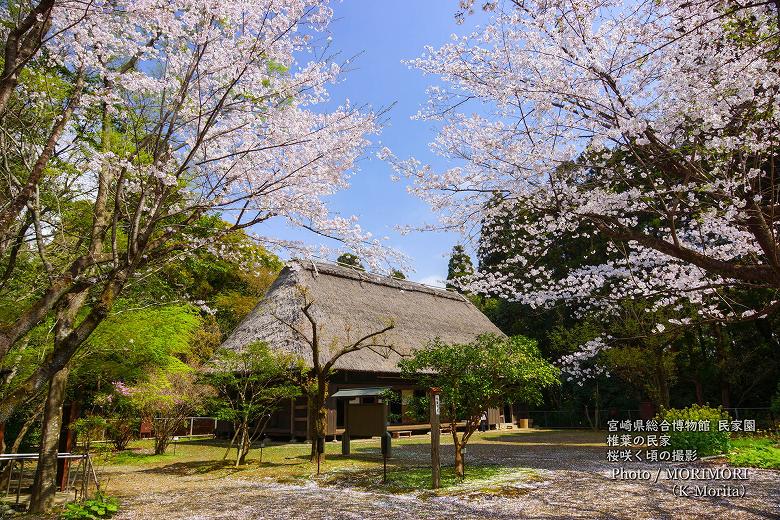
{"type": "Point", "coordinates": [402, 433]}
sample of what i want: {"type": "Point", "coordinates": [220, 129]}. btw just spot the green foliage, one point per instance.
{"type": "Point", "coordinates": [755, 452]}
{"type": "Point", "coordinates": [230, 284]}
{"type": "Point", "coordinates": [131, 342]}
{"type": "Point", "coordinates": [775, 405]}
{"type": "Point", "coordinates": [418, 408]}
{"type": "Point", "coordinates": [350, 260]}
{"type": "Point", "coordinates": [712, 442]}
{"type": "Point", "coordinates": [485, 373]}
{"type": "Point", "coordinates": [122, 430]}
{"type": "Point", "coordinates": [732, 364]}
{"type": "Point", "coordinates": [250, 383]}
{"type": "Point", "coordinates": [165, 393]}
{"type": "Point", "coordinates": [88, 428]}
{"type": "Point", "coordinates": [459, 266]}
{"type": "Point", "coordinates": [101, 506]}
{"type": "Point", "coordinates": [122, 417]}
{"type": "Point", "coordinates": [398, 275]}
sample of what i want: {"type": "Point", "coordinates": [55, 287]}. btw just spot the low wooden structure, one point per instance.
{"type": "Point", "coordinates": [347, 304]}
{"type": "Point", "coordinates": [80, 479]}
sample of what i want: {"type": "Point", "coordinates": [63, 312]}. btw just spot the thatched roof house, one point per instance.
{"type": "Point", "coordinates": [347, 304]}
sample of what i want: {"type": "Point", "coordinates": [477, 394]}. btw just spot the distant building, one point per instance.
{"type": "Point", "coordinates": [349, 303]}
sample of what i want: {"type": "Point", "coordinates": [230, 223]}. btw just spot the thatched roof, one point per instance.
{"type": "Point", "coordinates": [348, 304]}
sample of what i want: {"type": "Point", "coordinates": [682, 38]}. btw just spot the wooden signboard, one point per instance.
{"type": "Point", "coordinates": [366, 420]}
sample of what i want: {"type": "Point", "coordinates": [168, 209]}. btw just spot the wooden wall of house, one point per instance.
{"type": "Point", "coordinates": [292, 420]}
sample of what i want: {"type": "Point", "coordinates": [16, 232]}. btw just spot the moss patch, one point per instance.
{"type": "Point", "coordinates": [755, 452]}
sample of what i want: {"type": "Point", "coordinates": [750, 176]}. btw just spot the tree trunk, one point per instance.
{"type": "Point", "coordinates": [725, 393]}
{"type": "Point", "coordinates": [161, 441]}
{"type": "Point", "coordinates": [318, 418]}
{"type": "Point", "coordinates": [723, 367]}
{"type": "Point", "coordinates": [699, 391]}
{"type": "Point", "coordinates": [232, 441]}
{"type": "Point", "coordinates": [320, 427]}
{"type": "Point", "coordinates": [160, 445]}
{"type": "Point", "coordinates": [244, 444]}
{"type": "Point", "coordinates": [163, 428]}
{"type": "Point", "coordinates": [460, 468]}
{"type": "Point", "coordinates": [45, 484]}
{"type": "Point", "coordinates": [587, 416]}
{"type": "Point", "coordinates": [663, 382]}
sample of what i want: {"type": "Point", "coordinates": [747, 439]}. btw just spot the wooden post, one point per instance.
{"type": "Point", "coordinates": [10, 475]}
{"type": "Point", "coordinates": [345, 436]}
{"type": "Point", "coordinates": [435, 438]}
{"type": "Point", "coordinates": [19, 485]}
{"type": "Point", "coordinates": [292, 418]}
{"type": "Point", "coordinates": [66, 443]}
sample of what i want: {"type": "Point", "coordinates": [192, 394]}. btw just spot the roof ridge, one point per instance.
{"type": "Point", "coordinates": [353, 273]}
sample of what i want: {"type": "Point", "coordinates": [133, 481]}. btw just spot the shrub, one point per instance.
{"type": "Point", "coordinates": [101, 506]}
{"type": "Point", "coordinates": [122, 430]}
{"type": "Point", "coordinates": [88, 428]}
{"type": "Point", "coordinates": [775, 404]}
{"type": "Point", "coordinates": [705, 443]}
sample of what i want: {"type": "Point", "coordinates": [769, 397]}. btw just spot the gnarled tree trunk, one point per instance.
{"type": "Point", "coordinates": [45, 484]}
{"type": "Point", "coordinates": [318, 418]}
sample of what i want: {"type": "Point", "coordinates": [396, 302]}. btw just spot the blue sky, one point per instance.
{"type": "Point", "coordinates": [385, 33]}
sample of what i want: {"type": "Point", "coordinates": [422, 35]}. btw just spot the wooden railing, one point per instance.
{"type": "Point", "coordinates": [83, 474]}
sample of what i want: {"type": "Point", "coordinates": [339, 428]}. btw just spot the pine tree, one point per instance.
{"type": "Point", "coordinates": [350, 260]}
{"type": "Point", "coordinates": [459, 266]}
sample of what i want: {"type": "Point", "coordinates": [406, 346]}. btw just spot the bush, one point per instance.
{"type": "Point", "coordinates": [101, 506]}
{"type": "Point", "coordinates": [712, 442]}
{"type": "Point", "coordinates": [774, 406]}
{"type": "Point", "coordinates": [121, 431]}
{"type": "Point", "coordinates": [87, 429]}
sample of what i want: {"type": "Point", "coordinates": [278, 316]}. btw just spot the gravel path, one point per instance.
{"type": "Point", "coordinates": [575, 483]}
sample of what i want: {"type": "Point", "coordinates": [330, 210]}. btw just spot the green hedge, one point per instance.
{"type": "Point", "coordinates": [712, 442]}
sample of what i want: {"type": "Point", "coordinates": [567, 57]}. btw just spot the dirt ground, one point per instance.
{"type": "Point", "coordinates": [571, 480]}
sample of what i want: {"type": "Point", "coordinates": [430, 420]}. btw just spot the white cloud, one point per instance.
{"type": "Point", "coordinates": [435, 280]}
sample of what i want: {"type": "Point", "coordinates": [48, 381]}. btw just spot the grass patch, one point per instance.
{"type": "Point", "coordinates": [755, 452]}
{"type": "Point", "coordinates": [138, 458]}
{"type": "Point", "coordinates": [487, 480]}
{"type": "Point", "coordinates": [289, 463]}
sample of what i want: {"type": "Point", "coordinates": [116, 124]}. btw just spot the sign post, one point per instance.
{"type": "Point", "coordinates": [435, 437]}
{"type": "Point", "coordinates": [386, 443]}
{"type": "Point", "coordinates": [262, 445]}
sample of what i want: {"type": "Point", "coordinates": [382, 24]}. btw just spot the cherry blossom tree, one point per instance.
{"type": "Point", "coordinates": [175, 112]}
{"type": "Point", "coordinates": [648, 126]}
{"type": "Point", "coordinates": [127, 122]}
